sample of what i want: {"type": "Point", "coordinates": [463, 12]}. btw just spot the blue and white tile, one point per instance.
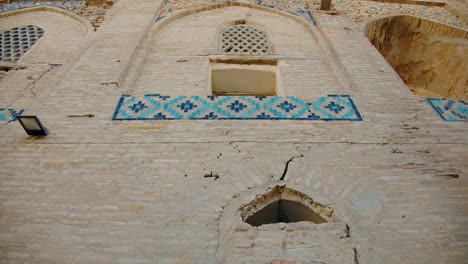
{"type": "Point", "coordinates": [160, 107]}
{"type": "Point", "coordinates": [8, 115]}
{"type": "Point", "coordinates": [450, 110]}
{"type": "Point", "coordinates": [335, 107]}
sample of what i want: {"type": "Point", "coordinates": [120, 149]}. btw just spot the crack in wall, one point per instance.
{"type": "Point", "coordinates": [286, 167]}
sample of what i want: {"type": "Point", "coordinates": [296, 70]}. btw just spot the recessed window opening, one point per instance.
{"type": "Point", "coordinates": [244, 78]}
{"type": "Point", "coordinates": [284, 211]}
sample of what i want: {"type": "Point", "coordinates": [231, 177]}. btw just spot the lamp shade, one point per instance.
{"type": "Point", "coordinates": [32, 125]}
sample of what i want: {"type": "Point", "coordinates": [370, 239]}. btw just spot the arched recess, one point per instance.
{"type": "Point", "coordinates": [304, 240]}
{"type": "Point", "coordinates": [64, 33]}
{"type": "Point", "coordinates": [428, 56]}
{"type": "Point", "coordinates": [189, 39]}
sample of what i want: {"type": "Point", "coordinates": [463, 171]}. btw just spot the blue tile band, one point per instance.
{"type": "Point", "coordinates": [9, 114]}
{"type": "Point", "coordinates": [162, 107]}
{"type": "Point", "coordinates": [450, 110]}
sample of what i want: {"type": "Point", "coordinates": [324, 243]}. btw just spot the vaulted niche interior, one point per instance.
{"type": "Point", "coordinates": [284, 211]}
{"type": "Point", "coordinates": [429, 57]}
{"type": "Point", "coordinates": [244, 77]}
{"type": "Point", "coordinates": [284, 205]}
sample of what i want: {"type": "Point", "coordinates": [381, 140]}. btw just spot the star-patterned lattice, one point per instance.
{"type": "Point", "coordinates": [17, 41]}
{"type": "Point", "coordinates": [244, 39]}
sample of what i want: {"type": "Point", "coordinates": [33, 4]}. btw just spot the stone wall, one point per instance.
{"type": "Point", "coordinates": [102, 191]}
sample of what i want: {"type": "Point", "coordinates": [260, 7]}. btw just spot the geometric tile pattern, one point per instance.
{"type": "Point", "coordinates": [72, 6]}
{"type": "Point", "coordinates": [162, 107]}
{"type": "Point", "coordinates": [294, 7]}
{"type": "Point", "coordinates": [17, 41]}
{"type": "Point", "coordinates": [450, 110]}
{"type": "Point", "coordinates": [243, 39]}
{"type": "Point", "coordinates": [9, 114]}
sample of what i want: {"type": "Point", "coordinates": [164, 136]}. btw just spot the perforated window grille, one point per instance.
{"type": "Point", "coordinates": [243, 39]}
{"type": "Point", "coordinates": [17, 41]}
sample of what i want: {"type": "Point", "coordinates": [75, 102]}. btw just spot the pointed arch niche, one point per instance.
{"type": "Point", "coordinates": [428, 56]}
{"type": "Point", "coordinates": [177, 59]}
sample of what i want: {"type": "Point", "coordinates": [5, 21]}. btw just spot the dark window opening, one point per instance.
{"type": "Point", "coordinates": [284, 211]}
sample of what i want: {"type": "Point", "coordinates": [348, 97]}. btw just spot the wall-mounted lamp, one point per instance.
{"type": "Point", "coordinates": [32, 125]}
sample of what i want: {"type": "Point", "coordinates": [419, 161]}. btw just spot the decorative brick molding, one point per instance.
{"type": "Point", "coordinates": [162, 107]}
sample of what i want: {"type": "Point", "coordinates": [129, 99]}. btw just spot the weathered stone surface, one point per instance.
{"type": "Point", "coordinates": [101, 191]}
{"type": "Point", "coordinates": [428, 56]}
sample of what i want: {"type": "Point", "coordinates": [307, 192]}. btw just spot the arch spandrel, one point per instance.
{"type": "Point", "coordinates": [428, 56]}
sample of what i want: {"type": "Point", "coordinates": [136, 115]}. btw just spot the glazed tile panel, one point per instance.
{"type": "Point", "coordinates": [8, 115]}
{"type": "Point", "coordinates": [450, 110]}
{"type": "Point", "coordinates": [72, 6]}
{"type": "Point", "coordinates": [162, 107]}
{"type": "Point", "coordinates": [294, 7]}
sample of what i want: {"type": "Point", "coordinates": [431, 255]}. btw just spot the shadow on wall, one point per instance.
{"type": "Point", "coordinates": [429, 57]}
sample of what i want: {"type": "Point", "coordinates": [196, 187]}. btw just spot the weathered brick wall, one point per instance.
{"type": "Point", "coordinates": [102, 191]}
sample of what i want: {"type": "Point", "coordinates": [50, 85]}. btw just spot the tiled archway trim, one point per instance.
{"type": "Point", "coordinates": [297, 8]}
{"type": "Point", "coordinates": [72, 6]}
{"type": "Point", "coordinates": [8, 115]}
{"type": "Point", "coordinates": [162, 107]}
{"type": "Point", "coordinates": [450, 110]}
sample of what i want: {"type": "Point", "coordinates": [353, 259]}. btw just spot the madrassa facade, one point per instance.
{"type": "Point", "coordinates": [234, 131]}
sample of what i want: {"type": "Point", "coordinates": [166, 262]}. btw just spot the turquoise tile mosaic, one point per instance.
{"type": "Point", "coordinates": [450, 110]}
{"type": "Point", "coordinates": [72, 6]}
{"type": "Point", "coordinates": [294, 7]}
{"type": "Point", "coordinates": [9, 114]}
{"type": "Point", "coordinates": [162, 107]}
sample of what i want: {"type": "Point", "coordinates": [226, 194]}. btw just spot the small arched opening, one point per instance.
{"type": "Point", "coordinates": [284, 205]}
{"type": "Point", "coordinates": [428, 56]}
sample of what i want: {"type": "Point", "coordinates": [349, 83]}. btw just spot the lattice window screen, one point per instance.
{"type": "Point", "coordinates": [17, 41]}
{"type": "Point", "coordinates": [244, 39]}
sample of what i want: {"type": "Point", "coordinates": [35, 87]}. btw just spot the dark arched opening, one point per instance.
{"type": "Point", "coordinates": [284, 211]}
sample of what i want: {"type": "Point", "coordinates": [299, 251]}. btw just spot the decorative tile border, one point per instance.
{"type": "Point", "coordinates": [72, 6]}
{"type": "Point", "coordinates": [161, 107]}
{"type": "Point", "coordinates": [295, 7]}
{"type": "Point", "coordinates": [450, 110]}
{"type": "Point", "coordinates": [9, 114]}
